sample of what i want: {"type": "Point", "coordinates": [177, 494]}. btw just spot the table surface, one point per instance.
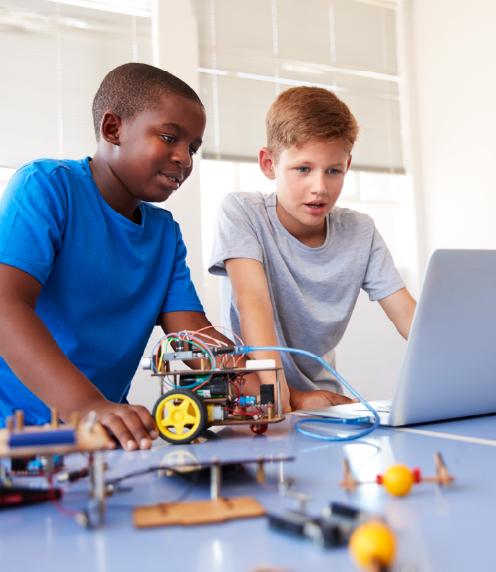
{"type": "Point", "coordinates": [437, 528]}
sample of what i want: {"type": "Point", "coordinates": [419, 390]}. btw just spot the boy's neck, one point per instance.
{"type": "Point", "coordinates": [113, 190]}
{"type": "Point", "coordinates": [313, 236]}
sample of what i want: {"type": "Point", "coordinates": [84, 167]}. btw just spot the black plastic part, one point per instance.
{"type": "Point", "coordinates": [223, 351]}
{"type": "Point", "coordinates": [344, 510]}
{"type": "Point", "coordinates": [217, 385]}
{"type": "Point", "coordinates": [21, 464]}
{"type": "Point", "coordinates": [333, 534]}
{"type": "Point", "coordinates": [20, 496]}
{"type": "Point", "coordinates": [328, 532]}
{"type": "Point", "coordinates": [267, 393]}
{"type": "Point", "coordinates": [185, 381]}
{"type": "Point", "coordinates": [292, 523]}
{"type": "Point", "coordinates": [232, 474]}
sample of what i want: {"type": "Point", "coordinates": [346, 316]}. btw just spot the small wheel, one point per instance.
{"type": "Point", "coordinates": [259, 428]}
{"type": "Point", "coordinates": [180, 416]}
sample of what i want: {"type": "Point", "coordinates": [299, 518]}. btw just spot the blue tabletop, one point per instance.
{"type": "Point", "coordinates": [436, 528]}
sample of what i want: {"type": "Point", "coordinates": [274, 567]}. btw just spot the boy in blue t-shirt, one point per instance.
{"type": "Point", "coordinates": [88, 266]}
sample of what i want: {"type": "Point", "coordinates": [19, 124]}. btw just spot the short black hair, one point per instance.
{"type": "Point", "coordinates": [131, 88]}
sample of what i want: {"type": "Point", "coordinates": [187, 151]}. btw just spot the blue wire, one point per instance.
{"type": "Point", "coordinates": [353, 421]}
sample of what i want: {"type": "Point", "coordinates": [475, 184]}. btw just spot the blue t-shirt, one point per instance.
{"type": "Point", "coordinates": [105, 280]}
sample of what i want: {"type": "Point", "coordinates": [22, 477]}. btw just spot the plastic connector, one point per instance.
{"type": "Point", "coordinates": [260, 363]}
{"type": "Point", "coordinates": [223, 351]}
{"type": "Point", "coordinates": [146, 363]}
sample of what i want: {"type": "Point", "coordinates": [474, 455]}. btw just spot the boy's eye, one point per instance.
{"type": "Point", "coordinates": [303, 169]}
{"type": "Point", "coordinates": [193, 151]}
{"type": "Point", "coordinates": [335, 171]}
{"type": "Point", "coordinates": [169, 138]}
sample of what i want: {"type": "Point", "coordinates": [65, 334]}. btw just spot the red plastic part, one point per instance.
{"type": "Point", "coordinates": [259, 428]}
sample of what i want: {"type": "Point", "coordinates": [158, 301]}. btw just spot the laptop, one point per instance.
{"type": "Point", "coordinates": [449, 370]}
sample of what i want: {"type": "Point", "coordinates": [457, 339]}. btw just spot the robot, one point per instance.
{"type": "Point", "coordinates": [212, 392]}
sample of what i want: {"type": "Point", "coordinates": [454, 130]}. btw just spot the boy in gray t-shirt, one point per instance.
{"type": "Point", "coordinates": [296, 262]}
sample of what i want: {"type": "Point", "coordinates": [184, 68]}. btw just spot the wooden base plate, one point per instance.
{"type": "Point", "coordinates": [197, 512]}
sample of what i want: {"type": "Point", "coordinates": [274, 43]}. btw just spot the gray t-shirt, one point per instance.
{"type": "Point", "coordinates": [313, 290]}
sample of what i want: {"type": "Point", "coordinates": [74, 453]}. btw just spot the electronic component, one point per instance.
{"type": "Point", "coordinates": [267, 393]}
{"type": "Point", "coordinates": [39, 451]}
{"type": "Point", "coordinates": [18, 496]}
{"type": "Point", "coordinates": [333, 528]}
{"type": "Point", "coordinates": [247, 400]}
{"type": "Point", "coordinates": [35, 465]}
{"type": "Point", "coordinates": [217, 386]}
{"type": "Point", "coordinates": [215, 412]}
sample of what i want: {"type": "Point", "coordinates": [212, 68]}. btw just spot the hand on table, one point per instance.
{"type": "Point", "coordinates": [316, 399]}
{"type": "Point", "coordinates": [131, 425]}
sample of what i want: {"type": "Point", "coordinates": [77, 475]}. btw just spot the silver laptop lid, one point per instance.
{"type": "Point", "coordinates": [449, 369]}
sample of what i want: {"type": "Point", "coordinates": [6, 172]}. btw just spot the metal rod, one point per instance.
{"type": "Point", "coordinates": [279, 399]}
{"type": "Point", "coordinates": [97, 468]}
{"type": "Point", "coordinates": [215, 480]}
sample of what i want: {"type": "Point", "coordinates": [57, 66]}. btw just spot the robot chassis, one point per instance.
{"type": "Point", "coordinates": [192, 400]}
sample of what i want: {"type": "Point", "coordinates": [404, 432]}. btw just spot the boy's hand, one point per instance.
{"type": "Point", "coordinates": [316, 399]}
{"type": "Point", "coordinates": [132, 425]}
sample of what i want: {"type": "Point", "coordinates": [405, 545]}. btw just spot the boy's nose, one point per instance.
{"type": "Point", "coordinates": [318, 182]}
{"type": "Point", "coordinates": [182, 156]}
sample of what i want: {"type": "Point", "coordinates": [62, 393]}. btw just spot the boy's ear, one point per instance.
{"type": "Point", "coordinates": [267, 163]}
{"type": "Point", "coordinates": [110, 128]}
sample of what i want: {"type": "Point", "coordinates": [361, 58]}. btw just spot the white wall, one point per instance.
{"type": "Point", "coordinates": [449, 92]}
{"type": "Point", "coordinates": [450, 47]}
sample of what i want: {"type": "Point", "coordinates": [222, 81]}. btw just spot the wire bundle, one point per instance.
{"type": "Point", "coordinates": [299, 426]}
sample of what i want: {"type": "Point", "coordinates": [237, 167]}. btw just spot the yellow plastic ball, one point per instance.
{"type": "Point", "coordinates": [398, 480]}
{"type": "Point", "coordinates": [373, 543]}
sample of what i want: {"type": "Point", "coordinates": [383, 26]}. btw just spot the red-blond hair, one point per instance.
{"type": "Point", "coordinates": [303, 114]}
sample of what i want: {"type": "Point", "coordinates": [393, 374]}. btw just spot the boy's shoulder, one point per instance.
{"type": "Point", "coordinates": [246, 198]}
{"type": "Point", "coordinates": [48, 179]}
{"type": "Point", "coordinates": [248, 202]}
{"type": "Point", "coordinates": [351, 219]}
{"type": "Point", "coordinates": [49, 166]}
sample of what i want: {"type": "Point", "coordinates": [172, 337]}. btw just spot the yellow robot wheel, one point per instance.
{"type": "Point", "coordinates": [180, 416]}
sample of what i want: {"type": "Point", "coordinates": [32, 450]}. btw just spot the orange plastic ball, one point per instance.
{"type": "Point", "coordinates": [398, 480]}
{"type": "Point", "coordinates": [373, 543]}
